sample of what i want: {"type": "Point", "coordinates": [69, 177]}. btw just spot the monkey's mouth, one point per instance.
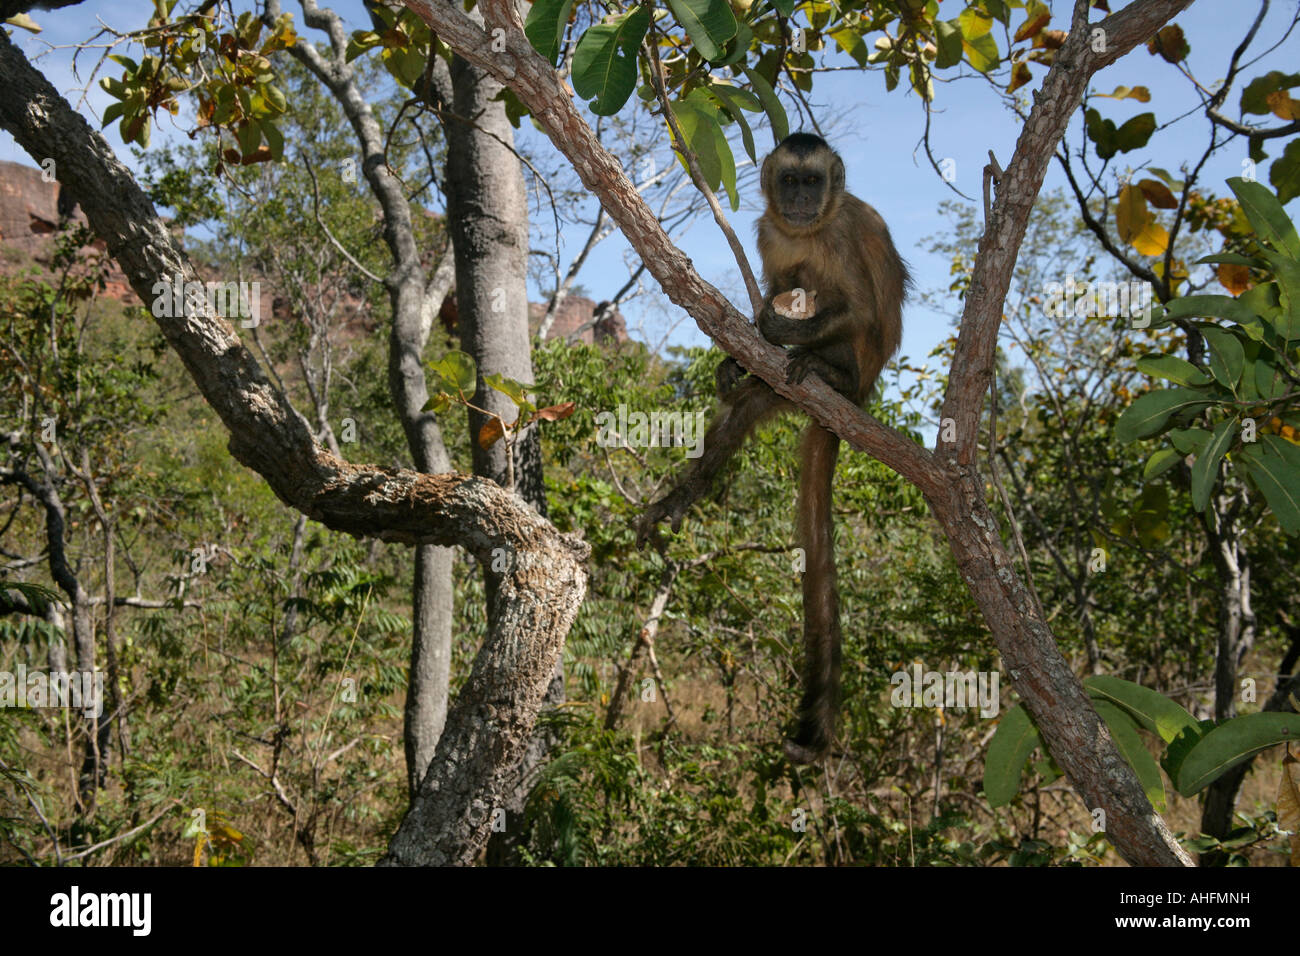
{"type": "Point", "coordinates": [801, 218]}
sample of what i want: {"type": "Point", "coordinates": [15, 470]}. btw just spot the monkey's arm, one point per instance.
{"type": "Point", "coordinates": [830, 324]}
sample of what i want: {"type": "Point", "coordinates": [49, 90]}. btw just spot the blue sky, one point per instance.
{"type": "Point", "coordinates": [878, 137]}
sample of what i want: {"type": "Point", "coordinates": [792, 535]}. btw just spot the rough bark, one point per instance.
{"type": "Point", "coordinates": [487, 215]}
{"type": "Point", "coordinates": [538, 592]}
{"type": "Point", "coordinates": [949, 479]}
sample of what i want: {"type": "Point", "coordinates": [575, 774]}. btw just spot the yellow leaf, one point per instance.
{"type": "Point", "coordinates": [1038, 16]}
{"type": "Point", "coordinates": [1153, 240]}
{"type": "Point", "coordinates": [1139, 93]}
{"type": "Point", "coordinates": [1131, 213]}
{"type": "Point", "coordinates": [1019, 76]}
{"type": "Point", "coordinates": [1283, 107]}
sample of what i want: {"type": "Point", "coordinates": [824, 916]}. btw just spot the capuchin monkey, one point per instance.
{"type": "Point", "coordinates": [833, 252]}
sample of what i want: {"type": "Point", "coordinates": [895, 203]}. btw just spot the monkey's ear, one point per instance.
{"type": "Point", "coordinates": [765, 174]}
{"type": "Point", "coordinates": [837, 172]}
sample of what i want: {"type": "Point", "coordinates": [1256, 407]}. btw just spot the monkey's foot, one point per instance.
{"type": "Point", "coordinates": [801, 365]}
{"type": "Point", "coordinates": [799, 753]}
{"type": "Point", "coordinates": [672, 506]}
{"type": "Point", "coordinates": [730, 372]}
{"type": "Point", "coordinates": [812, 741]}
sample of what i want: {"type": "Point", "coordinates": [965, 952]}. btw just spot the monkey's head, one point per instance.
{"type": "Point", "coordinates": [803, 180]}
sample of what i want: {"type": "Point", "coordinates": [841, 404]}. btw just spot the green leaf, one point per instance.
{"type": "Point", "coordinates": [1173, 368]}
{"type": "Point", "coordinates": [545, 25]}
{"type": "Point", "coordinates": [1284, 174]}
{"type": "Point", "coordinates": [1216, 306]}
{"type": "Point", "coordinates": [948, 34]}
{"type": "Point", "coordinates": [249, 137]}
{"type": "Point", "coordinates": [1176, 750]}
{"type": "Point", "coordinates": [1205, 471]}
{"type": "Point", "coordinates": [1254, 98]}
{"type": "Point", "coordinates": [361, 41]}
{"type": "Point", "coordinates": [851, 42]}
{"type": "Point", "coordinates": [1227, 356]}
{"type": "Point", "coordinates": [739, 44]}
{"type": "Point", "coordinates": [125, 62]}
{"type": "Point", "coordinates": [457, 370]}
{"type": "Point", "coordinates": [517, 392]}
{"type": "Point", "coordinates": [1153, 711]}
{"type": "Point", "coordinates": [1160, 462]}
{"type": "Point", "coordinates": [113, 111]}
{"type": "Point", "coordinates": [114, 87]}
{"type": "Point", "coordinates": [981, 52]}
{"type": "Point", "coordinates": [1012, 743]}
{"type": "Point", "coordinates": [698, 117]}
{"type": "Point", "coordinates": [604, 63]}
{"type": "Point", "coordinates": [275, 97]}
{"type": "Point", "coordinates": [1267, 216]}
{"type": "Point", "coordinates": [1232, 259]}
{"type": "Point", "coordinates": [1135, 132]}
{"type": "Point", "coordinates": [709, 23]}
{"type": "Point", "coordinates": [1124, 732]}
{"type": "Point", "coordinates": [1189, 441]}
{"type": "Point", "coordinates": [1148, 413]}
{"type": "Point", "coordinates": [1102, 132]}
{"type": "Point", "coordinates": [974, 23]}
{"type": "Point", "coordinates": [1273, 463]}
{"type": "Point", "coordinates": [736, 101]}
{"type": "Point", "coordinates": [274, 140]}
{"type": "Point", "coordinates": [1270, 379]}
{"type": "Point", "coordinates": [1287, 271]}
{"type": "Point", "coordinates": [1231, 743]}
{"type": "Point", "coordinates": [771, 104]}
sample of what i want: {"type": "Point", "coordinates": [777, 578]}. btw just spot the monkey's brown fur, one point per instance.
{"type": "Point", "coordinates": [813, 236]}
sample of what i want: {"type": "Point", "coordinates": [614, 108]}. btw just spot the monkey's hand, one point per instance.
{"type": "Point", "coordinates": [672, 506]}
{"type": "Point", "coordinates": [729, 373]}
{"type": "Point", "coordinates": [769, 322]}
{"type": "Point", "coordinates": [803, 363]}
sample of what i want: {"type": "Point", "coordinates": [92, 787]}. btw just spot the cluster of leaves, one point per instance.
{"type": "Point", "coordinates": [455, 378]}
{"type": "Point", "coordinates": [404, 43]}
{"type": "Point", "coordinates": [1268, 95]}
{"type": "Point", "coordinates": [1196, 753]}
{"type": "Point", "coordinates": [1253, 373]}
{"type": "Point", "coordinates": [227, 71]}
{"type": "Point", "coordinates": [722, 62]}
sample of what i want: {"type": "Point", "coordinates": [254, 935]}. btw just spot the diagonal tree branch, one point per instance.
{"type": "Point", "coordinates": [952, 486]}
{"type": "Point", "coordinates": [538, 594]}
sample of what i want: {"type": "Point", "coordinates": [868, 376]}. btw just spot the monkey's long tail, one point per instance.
{"type": "Point", "coordinates": [821, 612]}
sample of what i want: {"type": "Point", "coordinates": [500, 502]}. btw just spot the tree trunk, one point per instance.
{"type": "Point", "coordinates": [487, 213]}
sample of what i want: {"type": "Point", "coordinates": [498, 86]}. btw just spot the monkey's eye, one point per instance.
{"type": "Point", "coordinates": [812, 180]}
{"type": "Point", "coordinates": [788, 179]}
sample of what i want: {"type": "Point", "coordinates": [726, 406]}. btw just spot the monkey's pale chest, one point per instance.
{"type": "Point", "coordinates": [815, 270]}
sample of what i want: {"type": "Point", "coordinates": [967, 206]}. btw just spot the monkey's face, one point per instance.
{"type": "Point", "coordinates": [801, 195]}
{"type": "Point", "coordinates": [803, 183]}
